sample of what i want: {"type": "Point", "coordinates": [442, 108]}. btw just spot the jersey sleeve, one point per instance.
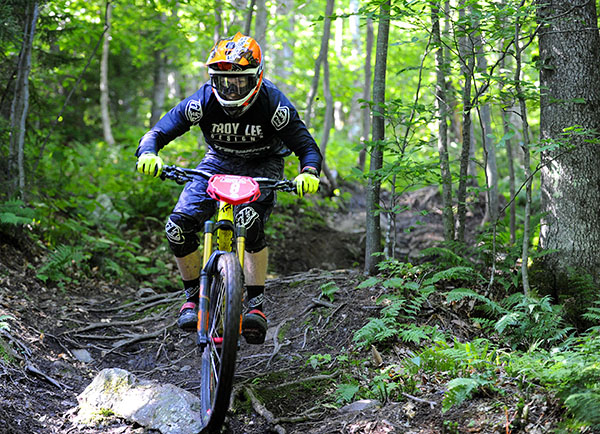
{"type": "Point", "coordinates": [174, 123]}
{"type": "Point", "coordinates": [293, 131]}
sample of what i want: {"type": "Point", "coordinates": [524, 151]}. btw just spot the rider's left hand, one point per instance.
{"type": "Point", "coordinates": [306, 182]}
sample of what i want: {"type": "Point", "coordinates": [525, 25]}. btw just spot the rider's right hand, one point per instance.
{"type": "Point", "coordinates": [149, 164]}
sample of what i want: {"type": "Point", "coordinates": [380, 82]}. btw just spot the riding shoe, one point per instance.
{"type": "Point", "coordinates": [188, 316]}
{"type": "Point", "coordinates": [254, 327]}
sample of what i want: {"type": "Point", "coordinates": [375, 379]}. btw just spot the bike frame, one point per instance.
{"type": "Point", "coordinates": [225, 229]}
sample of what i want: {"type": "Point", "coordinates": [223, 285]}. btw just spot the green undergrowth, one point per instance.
{"type": "Point", "coordinates": [111, 226]}
{"type": "Point", "coordinates": [511, 348]}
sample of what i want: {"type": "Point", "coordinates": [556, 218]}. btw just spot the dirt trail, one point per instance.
{"type": "Point", "coordinates": [63, 338]}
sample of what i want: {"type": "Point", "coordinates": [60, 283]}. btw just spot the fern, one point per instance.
{"type": "Point", "coordinates": [375, 330]}
{"type": "Point", "coordinates": [369, 283]}
{"type": "Point", "coordinates": [444, 255]}
{"type": "Point", "coordinates": [14, 212]}
{"type": "Point", "coordinates": [415, 334]}
{"type": "Point", "coordinates": [488, 305]}
{"type": "Point", "coordinates": [593, 313]}
{"type": "Point", "coordinates": [460, 389]}
{"type": "Point", "coordinates": [62, 263]}
{"type": "Point", "coordinates": [529, 321]}
{"type": "Point", "coordinates": [584, 406]}
{"type": "Point", "coordinates": [454, 273]}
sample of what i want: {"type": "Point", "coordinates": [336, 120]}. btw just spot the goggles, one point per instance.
{"type": "Point", "coordinates": [233, 87]}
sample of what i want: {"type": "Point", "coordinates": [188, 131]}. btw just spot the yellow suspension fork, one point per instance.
{"type": "Point", "coordinates": [225, 236]}
{"type": "Point", "coordinates": [224, 230]}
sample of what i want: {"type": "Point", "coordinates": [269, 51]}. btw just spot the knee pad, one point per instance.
{"type": "Point", "coordinates": [182, 235]}
{"type": "Point", "coordinates": [255, 234]}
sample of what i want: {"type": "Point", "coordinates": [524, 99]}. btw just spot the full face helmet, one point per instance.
{"type": "Point", "coordinates": [235, 66]}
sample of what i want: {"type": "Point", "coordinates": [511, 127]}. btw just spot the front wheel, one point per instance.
{"type": "Point", "coordinates": [219, 356]}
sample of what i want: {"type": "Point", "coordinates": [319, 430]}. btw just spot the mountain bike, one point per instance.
{"type": "Point", "coordinates": [222, 284]}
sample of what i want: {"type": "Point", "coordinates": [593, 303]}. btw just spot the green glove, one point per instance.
{"type": "Point", "coordinates": [306, 183]}
{"type": "Point", "coordinates": [149, 164]}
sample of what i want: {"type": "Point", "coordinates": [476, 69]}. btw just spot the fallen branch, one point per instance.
{"type": "Point", "coordinates": [414, 398]}
{"type": "Point", "coordinates": [316, 302]}
{"type": "Point", "coordinates": [30, 368]}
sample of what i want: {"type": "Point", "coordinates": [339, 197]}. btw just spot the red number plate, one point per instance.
{"type": "Point", "coordinates": [233, 189]}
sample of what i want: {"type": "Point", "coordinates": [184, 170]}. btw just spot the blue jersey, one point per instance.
{"type": "Point", "coordinates": [270, 127]}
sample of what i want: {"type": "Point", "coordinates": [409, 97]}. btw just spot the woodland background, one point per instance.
{"type": "Point", "coordinates": [494, 102]}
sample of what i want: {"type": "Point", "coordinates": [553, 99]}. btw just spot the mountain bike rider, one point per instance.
{"type": "Point", "coordinates": [249, 126]}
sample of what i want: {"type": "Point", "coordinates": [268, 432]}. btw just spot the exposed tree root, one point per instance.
{"type": "Point", "coordinates": [263, 411]}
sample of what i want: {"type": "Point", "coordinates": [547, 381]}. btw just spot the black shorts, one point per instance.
{"type": "Point", "coordinates": [195, 206]}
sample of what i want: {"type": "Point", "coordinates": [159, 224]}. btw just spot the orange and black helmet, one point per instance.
{"type": "Point", "coordinates": [235, 66]}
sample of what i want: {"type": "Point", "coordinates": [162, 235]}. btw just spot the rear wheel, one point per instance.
{"type": "Point", "coordinates": [219, 356]}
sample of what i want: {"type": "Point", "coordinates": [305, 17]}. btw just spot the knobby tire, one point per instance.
{"type": "Point", "coordinates": [218, 365]}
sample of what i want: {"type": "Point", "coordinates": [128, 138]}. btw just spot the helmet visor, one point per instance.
{"type": "Point", "coordinates": [233, 87]}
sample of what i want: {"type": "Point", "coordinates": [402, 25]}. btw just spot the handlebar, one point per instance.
{"type": "Point", "coordinates": [181, 175]}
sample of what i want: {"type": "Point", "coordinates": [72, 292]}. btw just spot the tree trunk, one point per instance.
{"type": "Point", "coordinates": [283, 53]}
{"type": "Point", "coordinates": [487, 139]}
{"type": "Point", "coordinates": [507, 107]}
{"type": "Point", "coordinates": [442, 108]}
{"type": "Point", "coordinates": [218, 28]}
{"type": "Point", "coordinates": [159, 88]}
{"type": "Point", "coordinates": [248, 25]}
{"type": "Point", "coordinates": [526, 164]}
{"type": "Point", "coordinates": [569, 44]}
{"type": "Point", "coordinates": [366, 120]}
{"type": "Point", "coordinates": [322, 55]}
{"type": "Point", "coordinates": [373, 224]}
{"type": "Point", "coordinates": [328, 124]}
{"type": "Point", "coordinates": [466, 59]}
{"type": "Point", "coordinates": [260, 24]}
{"type": "Point", "coordinates": [104, 97]}
{"type": "Point", "coordinates": [511, 177]}
{"type": "Point", "coordinates": [20, 104]}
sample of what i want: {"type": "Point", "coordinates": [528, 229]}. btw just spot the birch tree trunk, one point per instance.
{"type": "Point", "coordinates": [569, 44]}
{"type": "Point", "coordinates": [373, 224]}
{"type": "Point", "coordinates": [104, 97]}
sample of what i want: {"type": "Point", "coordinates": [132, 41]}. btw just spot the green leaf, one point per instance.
{"type": "Point", "coordinates": [346, 392]}
{"type": "Point", "coordinates": [370, 282]}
